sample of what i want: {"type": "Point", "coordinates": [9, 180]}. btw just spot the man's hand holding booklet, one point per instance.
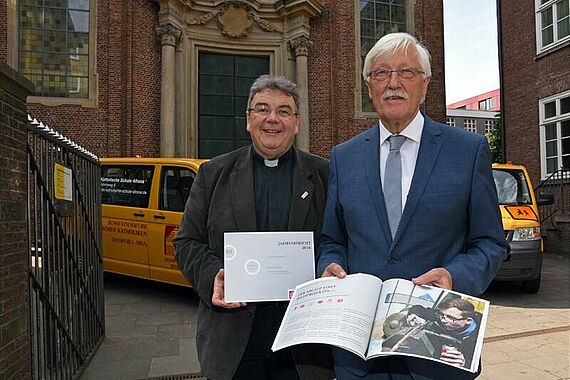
{"type": "Point", "coordinates": [371, 318]}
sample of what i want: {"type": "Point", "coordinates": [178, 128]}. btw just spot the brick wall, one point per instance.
{"type": "Point", "coordinates": [145, 73]}
{"type": "Point", "coordinates": [333, 77]}
{"type": "Point", "coordinates": [527, 78]}
{"type": "Point", "coordinates": [126, 120]}
{"type": "Point", "coordinates": [520, 103]}
{"type": "Point", "coordinates": [556, 240]}
{"type": "Point", "coordinates": [3, 31]}
{"type": "Point", "coordinates": [14, 336]}
{"type": "Point", "coordinates": [429, 30]}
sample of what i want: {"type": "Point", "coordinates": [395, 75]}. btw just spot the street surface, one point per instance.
{"type": "Point", "coordinates": [528, 335]}
{"type": "Point", "coordinates": [150, 330]}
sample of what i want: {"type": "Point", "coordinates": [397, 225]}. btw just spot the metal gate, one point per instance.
{"type": "Point", "coordinates": [65, 268]}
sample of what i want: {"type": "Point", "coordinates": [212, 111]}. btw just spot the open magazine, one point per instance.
{"type": "Point", "coordinates": [371, 318]}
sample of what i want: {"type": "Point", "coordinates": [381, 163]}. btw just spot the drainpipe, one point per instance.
{"type": "Point", "coordinates": [501, 84]}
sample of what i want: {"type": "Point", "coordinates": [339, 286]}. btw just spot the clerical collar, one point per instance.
{"type": "Point", "coordinates": [275, 162]}
{"type": "Point", "coordinates": [271, 163]}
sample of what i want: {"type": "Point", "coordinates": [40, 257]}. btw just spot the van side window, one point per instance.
{"type": "Point", "coordinates": [126, 185]}
{"type": "Point", "coordinates": [512, 188]}
{"type": "Point", "coordinates": [175, 185]}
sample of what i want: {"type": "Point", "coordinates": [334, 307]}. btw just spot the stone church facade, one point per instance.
{"type": "Point", "coordinates": [171, 77]}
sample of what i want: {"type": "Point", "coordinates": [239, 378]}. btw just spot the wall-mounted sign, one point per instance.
{"type": "Point", "coordinates": [63, 184]}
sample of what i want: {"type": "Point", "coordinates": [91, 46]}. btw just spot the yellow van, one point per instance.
{"type": "Point", "coordinates": [142, 203]}
{"type": "Point", "coordinates": [521, 222]}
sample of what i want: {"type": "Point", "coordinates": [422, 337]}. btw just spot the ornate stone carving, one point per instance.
{"type": "Point", "coordinates": [204, 19]}
{"type": "Point", "coordinates": [170, 34]}
{"type": "Point", "coordinates": [168, 10]}
{"type": "Point", "coordinates": [234, 20]}
{"type": "Point", "coordinates": [263, 24]}
{"type": "Point", "coordinates": [300, 45]}
{"type": "Point", "coordinates": [164, 9]}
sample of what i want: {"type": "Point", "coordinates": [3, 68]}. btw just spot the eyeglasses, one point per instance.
{"type": "Point", "coordinates": [263, 110]}
{"type": "Point", "coordinates": [449, 318]}
{"type": "Point", "coordinates": [407, 73]}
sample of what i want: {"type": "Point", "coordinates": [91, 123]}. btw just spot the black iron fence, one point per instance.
{"type": "Point", "coordinates": [558, 185]}
{"type": "Point", "coordinates": [65, 268]}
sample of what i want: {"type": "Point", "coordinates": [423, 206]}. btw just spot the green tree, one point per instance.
{"type": "Point", "coordinates": [495, 138]}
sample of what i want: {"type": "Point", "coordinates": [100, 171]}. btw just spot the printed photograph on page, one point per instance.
{"type": "Point", "coordinates": [428, 322]}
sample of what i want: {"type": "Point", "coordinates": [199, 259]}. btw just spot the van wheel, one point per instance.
{"type": "Point", "coordinates": [532, 286]}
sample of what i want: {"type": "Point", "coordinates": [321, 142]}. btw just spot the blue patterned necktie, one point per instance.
{"type": "Point", "coordinates": [393, 182]}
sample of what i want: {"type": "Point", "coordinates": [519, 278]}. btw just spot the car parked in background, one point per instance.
{"type": "Point", "coordinates": [521, 223]}
{"type": "Point", "coordinates": [142, 203]}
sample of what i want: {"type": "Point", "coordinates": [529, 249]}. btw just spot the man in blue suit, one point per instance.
{"type": "Point", "coordinates": [434, 220]}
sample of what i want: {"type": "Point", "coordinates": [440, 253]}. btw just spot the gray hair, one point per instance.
{"type": "Point", "coordinates": [274, 82]}
{"type": "Point", "coordinates": [397, 42]}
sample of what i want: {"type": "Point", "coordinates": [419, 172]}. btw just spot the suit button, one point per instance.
{"type": "Point", "coordinates": [392, 260]}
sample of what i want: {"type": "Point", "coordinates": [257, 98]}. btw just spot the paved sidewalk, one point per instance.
{"type": "Point", "coordinates": [528, 335]}
{"type": "Point", "coordinates": [150, 330]}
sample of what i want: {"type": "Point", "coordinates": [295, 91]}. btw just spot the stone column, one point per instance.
{"type": "Point", "coordinates": [170, 37]}
{"type": "Point", "coordinates": [180, 125]}
{"type": "Point", "coordinates": [300, 47]}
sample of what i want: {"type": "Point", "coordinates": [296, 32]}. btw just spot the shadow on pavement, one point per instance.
{"type": "Point", "coordinates": [118, 284]}
{"type": "Point", "coordinates": [554, 291]}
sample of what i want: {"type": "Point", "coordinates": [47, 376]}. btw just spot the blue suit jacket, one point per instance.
{"type": "Point", "coordinates": [451, 218]}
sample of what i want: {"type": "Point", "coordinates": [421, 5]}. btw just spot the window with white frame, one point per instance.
{"type": "Point", "coordinates": [470, 125]}
{"type": "Point", "coordinates": [554, 114]}
{"type": "Point", "coordinates": [451, 121]}
{"type": "Point", "coordinates": [489, 126]}
{"type": "Point", "coordinates": [552, 23]}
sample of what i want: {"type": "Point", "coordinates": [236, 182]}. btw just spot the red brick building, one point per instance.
{"type": "Point", "coordinates": [487, 101]}
{"type": "Point", "coordinates": [169, 77]}
{"type": "Point", "coordinates": [534, 38]}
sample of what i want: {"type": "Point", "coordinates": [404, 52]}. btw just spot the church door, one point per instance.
{"type": "Point", "coordinates": [223, 89]}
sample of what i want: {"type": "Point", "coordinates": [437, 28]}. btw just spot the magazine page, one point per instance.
{"type": "Point", "coordinates": [430, 323]}
{"type": "Point", "coordinates": [332, 311]}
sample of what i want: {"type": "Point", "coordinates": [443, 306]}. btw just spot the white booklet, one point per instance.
{"type": "Point", "coordinates": [371, 318]}
{"type": "Point", "coordinates": [266, 266]}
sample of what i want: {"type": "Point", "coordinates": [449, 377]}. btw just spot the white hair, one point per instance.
{"type": "Point", "coordinates": [397, 42]}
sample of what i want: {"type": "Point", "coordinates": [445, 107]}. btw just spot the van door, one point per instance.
{"type": "Point", "coordinates": [125, 192]}
{"type": "Point", "coordinates": [175, 183]}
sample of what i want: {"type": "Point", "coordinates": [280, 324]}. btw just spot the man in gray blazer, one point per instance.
{"type": "Point", "coordinates": [410, 198]}
{"type": "Point", "coordinates": [269, 186]}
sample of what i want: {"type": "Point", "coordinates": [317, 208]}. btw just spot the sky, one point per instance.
{"type": "Point", "coordinates": [471, 60]}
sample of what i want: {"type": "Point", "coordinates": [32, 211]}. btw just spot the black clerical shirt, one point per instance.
{"type": "Point", "coordinates": [273, 183]}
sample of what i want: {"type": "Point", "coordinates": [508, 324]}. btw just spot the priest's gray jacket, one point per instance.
{"type": "Point", "coordinates": [222, 200]}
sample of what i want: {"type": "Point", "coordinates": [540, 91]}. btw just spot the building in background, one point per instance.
{"type": "Point", "coordinates": [487, 101]}
{"type": "Point", "coordinates": [534, 49]}
{"type": "Point", "coordinates": [475, 114]}
{"type": "Point", "coordinates": [481, 122]}
{"type": "Point", "coordinates": [171, 77]}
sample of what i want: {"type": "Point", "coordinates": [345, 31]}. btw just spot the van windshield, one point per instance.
{"type": "Point", "coordinates": [512, 188]}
